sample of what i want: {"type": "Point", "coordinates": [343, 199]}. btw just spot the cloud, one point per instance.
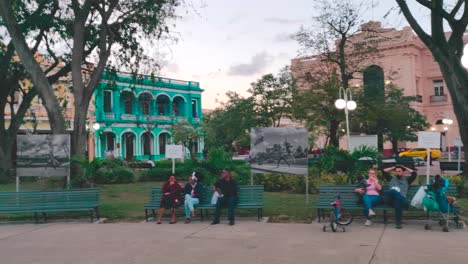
{"type": "Point", "coordinates": [283, 37]}
{"type": "Point", "coordinates": [258, 62]}
{"type": "Point", "coordinates": [283, 21]}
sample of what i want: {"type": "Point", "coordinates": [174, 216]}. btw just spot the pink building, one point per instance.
{"type": "Point", "coordinates": [409, 64]}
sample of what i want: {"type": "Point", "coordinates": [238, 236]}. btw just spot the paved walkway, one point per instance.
{"type": "Point", "coordinates": [247, 242]}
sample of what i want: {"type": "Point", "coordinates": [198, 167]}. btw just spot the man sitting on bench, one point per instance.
{"type": "Point", "coordinates": [399, 186]}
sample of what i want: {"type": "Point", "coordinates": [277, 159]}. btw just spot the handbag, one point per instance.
{"type": "Point", "coordinates": [214, 198]}
{"type": "Point", "coordinates": [417, 200]}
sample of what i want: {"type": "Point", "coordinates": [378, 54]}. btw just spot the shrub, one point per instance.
{"type": "Point", "coordinates": [113, 175]}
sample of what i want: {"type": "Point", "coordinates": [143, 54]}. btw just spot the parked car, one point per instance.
{"type": "Point", "coordinates": [421, 152]}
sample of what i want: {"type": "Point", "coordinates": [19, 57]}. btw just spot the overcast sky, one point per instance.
{"type": "Point", "coordinates": [226, 45]}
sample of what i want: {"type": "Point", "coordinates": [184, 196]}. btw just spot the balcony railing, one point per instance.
{"type": "Point", "coordinates": [109, 115]}
{"type": "Point", "coordinates": [128, 117]}
{"type": "Point", "coordinates": [196, 119]}
{"type": "Point", "coordinates": [438, 98]}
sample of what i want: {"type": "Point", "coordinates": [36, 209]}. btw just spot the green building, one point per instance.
{"type": "Point", "coordinates": [136, 114]}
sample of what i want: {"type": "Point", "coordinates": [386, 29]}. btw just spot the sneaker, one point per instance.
{"type": "Point", "coordinates": [368, 222]}
{"type": "Point", "coordinates": [231, 222]}
{"type": "Point", "coordinates": [398, 226]}
{"type": "Point", "coordinates": [371, 212]}
{"type": "Point", "coordinates": [188, 220]}
{"type": "Point", "coordinates": [215, 222]}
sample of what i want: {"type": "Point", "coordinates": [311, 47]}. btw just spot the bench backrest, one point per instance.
{"type": "Point", "coordinates": [349, 198]}
{"type": "Point", "coordinates": [49, 198]}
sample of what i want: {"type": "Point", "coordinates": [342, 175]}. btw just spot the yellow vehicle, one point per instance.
{"type": "Point", "coordinates": [421, 152]}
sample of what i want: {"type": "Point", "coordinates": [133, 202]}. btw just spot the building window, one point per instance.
{"type": "Point", "coordinates": [145, 103]}
{"type": "Point", "coordinates": [419, 98]}
{"type": "Point", "coordinates": [194, 108]}
{"type": "Point", "coordinates": [146, 141]}
{"type": "Point", "coordinates": [110, 139]}
{"type": "Point", "coordinates": [438, 87]}
{"type": "Point", "coordinates": [128, 105]}
{"type": "Point", "coordinates": [107, 101]}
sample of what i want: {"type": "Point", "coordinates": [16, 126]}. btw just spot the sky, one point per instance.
{"type": "Point", "coordinates": [226, 45]}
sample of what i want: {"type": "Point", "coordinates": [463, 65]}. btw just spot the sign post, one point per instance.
{"type": "Point", "coordinates": [428, 140]}
{"type": "Point", "coordinates": [174, 152]}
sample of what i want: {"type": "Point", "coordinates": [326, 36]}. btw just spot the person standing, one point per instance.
{"type": "Point", "coordinates": [193, 193]}
{"type": "Point", "coordinates": [170, 199]}
{"type": "Point", "coordinates": [227, 189]}
{"type": "Point", "coordinates": [370, 194]}
{"type": "Point", "coordinates": [398, 190]}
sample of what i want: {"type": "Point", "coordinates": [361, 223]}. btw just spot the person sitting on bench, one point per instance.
{"type": "Point", "coordinates": [399, 186]}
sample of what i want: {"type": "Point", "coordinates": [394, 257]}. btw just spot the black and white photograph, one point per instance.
{"type": "Point", "coordinates": [43, 155]}
{"type": "Point", "coordinates": [281, 150]}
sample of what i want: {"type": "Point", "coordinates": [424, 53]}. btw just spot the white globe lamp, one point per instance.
{"type": "Point", "coordinates": [96, 126]}
{"type": "Point", "coordinates": [340, 104]}
{"type": "Point", "coordinates": [351, 105]}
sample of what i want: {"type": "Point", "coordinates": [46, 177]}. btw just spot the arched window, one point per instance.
{"type": "Point", "coordinates": [145, 104]}
{"type": "Point", "coordinates": [374, 83]}
{"type": "Point", "coordinates": [127, 101]}
{"type": "Point", "coordinates": [146, 141]}
{"type": "Point", "coordinates": [163, 105]}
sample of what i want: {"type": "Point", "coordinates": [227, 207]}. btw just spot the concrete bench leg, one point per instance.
{"type": "Point", "coordinates": [146, 215]}
{"type": "Point", "coordinates": [385, 217]}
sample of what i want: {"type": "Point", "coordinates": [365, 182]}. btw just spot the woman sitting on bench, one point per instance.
{"type": "Point", "coordinates": [170, 199]}
{"type": "Point", "coordinates": [369, 189]}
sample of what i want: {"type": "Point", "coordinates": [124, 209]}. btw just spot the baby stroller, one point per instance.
{"type": "Point", "coordinates": [440, 207]}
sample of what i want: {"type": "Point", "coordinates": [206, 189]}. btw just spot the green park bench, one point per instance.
{"type": "Point", "coordinates": [350, 199]}
{"type": "Point", "coordinates": [249, 197]}
{"type": "Point", "coordinates": [50, 201]}
{"type": "Point", "coordinates": [450, 166]}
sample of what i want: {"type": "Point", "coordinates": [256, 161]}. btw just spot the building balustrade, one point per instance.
{"type": "Point", "coordinates": [128, 117]}
{"type": "Point", "coordinates": [438, 98]}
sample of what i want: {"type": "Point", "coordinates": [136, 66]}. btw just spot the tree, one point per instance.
{"type": "Point", "coordinates": [17, 92]}
{"type": "Point", "coordinates": [183, 132]}
{"type": "Point", "coordinates": [274, 97]}
{"type": "Point", "coordinates": [315, 104]}
{"type": "Point", "coordinates": [96, 30]}
{"type": "Point", "coordinates": [331, 44]}
{"type": "Point", "coordinates": [447, 51]}
{"type": "Point", "coordinates": [231, 123]}
{"type": "Point", "coordinates": [391, 115]}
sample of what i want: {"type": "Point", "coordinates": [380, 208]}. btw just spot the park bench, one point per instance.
{"type": "Point", "coordinates": [450, 166]}
{"type": "Point", "coordinates": [249, 197]}
{"type": "Point", "coordinates": [50, 201]}
{"type": "Point", "coordinates": [350, 199]}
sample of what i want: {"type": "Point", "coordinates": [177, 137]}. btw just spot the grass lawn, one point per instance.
{"type": "Point", "coordinates": [124, 202]}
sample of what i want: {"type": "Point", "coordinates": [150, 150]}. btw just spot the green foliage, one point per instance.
{"type": "Point", "coordinates": [231, 123]}
{"type": "Point", "coordinates": [271, 98]}
{"type": "Point", "coordinates": [101, 172]}
{"type": "Point", "coordinates": [113, 175]}
{"type": "Point", "coordinates": [334, 161]}
{"type": "Point", "coordinates": [391, 115]}
{"type": "Point", "coordinates": [274, 97]}
{"type": "Point", "coordinates": [183, 132]}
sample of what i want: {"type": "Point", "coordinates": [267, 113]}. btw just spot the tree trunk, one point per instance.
{"type": "Point", "coordinates": [6, 160]}
{"type": "Point", "coordinates": [41, 83]}
{"type": "Point", "coordinates": [395, 147]}
{"type": "Point", "coordinates": [334, 138]}
{"type": "Point", "coordinates": [79, 136]}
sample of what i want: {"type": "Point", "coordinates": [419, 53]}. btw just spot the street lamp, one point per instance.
{"type": "Point", "coordinates": [345, 101]}
{"type": "Point", "coordinates": [447, 122]}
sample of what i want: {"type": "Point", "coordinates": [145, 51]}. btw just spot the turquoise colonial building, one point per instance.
{"type": "Point", "coordinates": [136, 114]}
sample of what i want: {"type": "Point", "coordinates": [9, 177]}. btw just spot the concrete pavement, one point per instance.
{"type": "Point", "coordinates": [246, 242]}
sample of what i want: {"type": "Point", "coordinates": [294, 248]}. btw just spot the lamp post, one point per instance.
{"type": "Point", "coordinates": [345, 101]}
{"type": "Point", "coordinates": [447, 122]}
